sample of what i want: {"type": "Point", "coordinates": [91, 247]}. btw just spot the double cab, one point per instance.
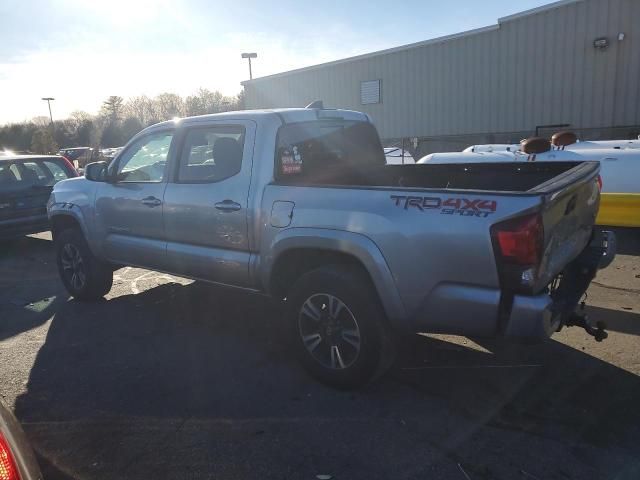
{"type": "Point", "coordinates": [299, 204]}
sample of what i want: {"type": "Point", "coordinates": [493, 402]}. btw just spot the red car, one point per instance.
{"type": "Point", "coordinates": [17, 461]}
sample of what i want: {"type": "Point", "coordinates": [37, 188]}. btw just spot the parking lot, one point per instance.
{"type": "Point", "coordinates": [172, 379]}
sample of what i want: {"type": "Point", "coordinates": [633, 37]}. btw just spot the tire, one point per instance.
{"type": "Point", "coordinates": [338, 327]}
{"type": "Point", "coordinates": [84, 276]}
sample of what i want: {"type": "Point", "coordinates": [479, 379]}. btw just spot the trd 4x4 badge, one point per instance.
{"type": "Point", "coordinates": [465, 207]}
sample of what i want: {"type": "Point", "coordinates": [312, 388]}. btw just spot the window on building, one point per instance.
{"type": "Point", "coordinates": [370, 92]}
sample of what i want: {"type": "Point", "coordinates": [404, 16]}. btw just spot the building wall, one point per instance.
{"type": "Point", "coordinates": [530, 69]}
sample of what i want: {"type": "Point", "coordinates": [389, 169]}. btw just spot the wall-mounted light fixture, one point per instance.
{"type": "Point", "coordinates": [601, 43]}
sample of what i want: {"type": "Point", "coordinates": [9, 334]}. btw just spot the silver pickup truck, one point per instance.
{"type": "Point", "coordinates": [299, 204]}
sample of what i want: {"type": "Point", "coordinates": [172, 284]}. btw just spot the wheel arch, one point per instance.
{"type": "Point", "coordinates": [298, 250]}
{"type": "Point", "coordinates": [63, 220]}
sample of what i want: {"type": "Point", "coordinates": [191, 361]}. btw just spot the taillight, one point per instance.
{"type": "Point", "coordinates": [520, 241]}
{"type": "Point", "coordinates": [599, 180]}
{"type": "Point", "coordinates": [518, 244]}
{"type": "Point", "coordinates": [8, 467]}
{"type": "Point", "coordinates": [70, 165]}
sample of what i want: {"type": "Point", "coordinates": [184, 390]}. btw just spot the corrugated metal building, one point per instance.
{"type": "Point", "coordinates": [574, 62]}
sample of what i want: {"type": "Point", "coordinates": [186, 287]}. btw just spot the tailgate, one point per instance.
{"type": "Point", "coordinates": [569, 209]}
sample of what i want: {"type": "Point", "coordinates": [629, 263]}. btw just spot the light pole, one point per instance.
{"type": "Point", "coordinates": [48, 100]}
{"type": "Point", "coordinates": [250, 56]}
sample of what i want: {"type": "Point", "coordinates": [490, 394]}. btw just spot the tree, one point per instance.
{"type": "Point", "coordinates": [84, 133]}
{"type": "Point", "coordinates": [64, 132]}
{"type": "Point", "coordinates": [80, 116]}
{"type": "Point", "coordinates": [169, 105]}
{"type": "Point", "coordinates": [112, 107]}
{"type": "Point", "coordinates": [108, 128]}
{"type": "Point", "coordinates": [203, 102]}
{"type": "Point", "coordinates": [41, 121]}
{"type": "Point", "coordinates": [43, 142]}
{"type": "Point", "coordinates": [130, 127]}
{"type": "Point", "coordinates": [240, 101]}
{"type": "Point", "coordinates": [143, 108]}
{"type": "Point", "coordinates": [112, 135]}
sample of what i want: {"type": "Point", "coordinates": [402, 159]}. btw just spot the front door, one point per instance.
{"type": "Point", "coordinates": [129, 207]}
{"type": "Point", "coordinates": [205, 205]}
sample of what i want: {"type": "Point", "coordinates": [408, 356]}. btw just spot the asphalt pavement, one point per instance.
{"type": "Point", "coordinates": [167, 378]}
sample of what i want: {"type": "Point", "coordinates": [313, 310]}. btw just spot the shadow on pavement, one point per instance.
{"type": "Point", "coordinates": [628, 240]}
{"type": "Point", "coordinates": [191, 381]}
{"type": "Point", "coordinates": [616, 320]}
{"type": "Point", "coordinates": [27, 260]}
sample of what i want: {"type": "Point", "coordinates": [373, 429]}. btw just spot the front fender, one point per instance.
{"type": "Point", "coordinates": [359, 246]}
{"type": "Point", "coordinates": [55, 210]}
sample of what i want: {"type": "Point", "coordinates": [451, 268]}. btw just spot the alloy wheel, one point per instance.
{"type": "Point", "coordinates": [329, 331]}
{"type": "Point", "coordinates": [73, 266]}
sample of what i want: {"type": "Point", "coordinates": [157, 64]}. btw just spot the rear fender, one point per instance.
{"type": "Point", "coordinates": [354, 244]}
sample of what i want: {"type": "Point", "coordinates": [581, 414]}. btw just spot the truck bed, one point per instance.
{"type": "Point", "coordinates": [499, 177]}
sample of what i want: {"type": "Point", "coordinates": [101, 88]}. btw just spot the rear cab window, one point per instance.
{"type": "Point", "coordinates": [310, 150]}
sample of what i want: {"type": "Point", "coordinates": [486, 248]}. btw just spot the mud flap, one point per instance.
{"type": "Point", "coordinates": [575, 280]}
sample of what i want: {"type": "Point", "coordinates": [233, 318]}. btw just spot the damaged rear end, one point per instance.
{"type": "Point", "coordinates": [547, 258]}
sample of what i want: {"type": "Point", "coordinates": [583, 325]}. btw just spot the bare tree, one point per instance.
{"type": "Point", "coordinates": [116, 117]}
{"type": "Point", "coordinates": [143, 108]}
{"type": "Point", "coordinates": [169, 105]}
{"type": "Point", "coordinates": [41, 121]}
{"type": "Point", "coordinates": [205, 101]}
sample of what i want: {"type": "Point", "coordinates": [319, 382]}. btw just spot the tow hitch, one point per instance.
{"type": "Point", "coordinates": [582, 320]}
{"type": "Point", "coordinates": [575, 280]}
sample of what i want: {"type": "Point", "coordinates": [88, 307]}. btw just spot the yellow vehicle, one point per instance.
{"type": "Point", "coordinates": [619, 209]}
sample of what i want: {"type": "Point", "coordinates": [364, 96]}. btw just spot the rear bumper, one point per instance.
{"type": "Point", "coordinates": [535, 318]}
{"type": "Point", "coordinates": [23, 226]}
{"type": "Point", "coordinates": [531, 319]}
{"type": "Point", "coordinates": [473, 311]}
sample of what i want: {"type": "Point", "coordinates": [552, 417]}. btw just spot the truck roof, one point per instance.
{"type": "Point", "coordinates": [283, 115]}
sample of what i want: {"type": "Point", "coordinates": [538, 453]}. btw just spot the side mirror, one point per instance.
{"type": "Point", "coordinates": [96, 171]}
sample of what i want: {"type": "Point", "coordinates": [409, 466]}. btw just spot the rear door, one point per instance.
{"type": "Point", "coordinates": [205, 208]}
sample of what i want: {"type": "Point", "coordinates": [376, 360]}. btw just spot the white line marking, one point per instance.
{"type": "Point", "coordinates": [449, 367]}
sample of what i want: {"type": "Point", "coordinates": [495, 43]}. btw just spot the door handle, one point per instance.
{"type": "Point", "coordinates": [151, 201]}
{"type": "Point", "coordinates": [228, 206]}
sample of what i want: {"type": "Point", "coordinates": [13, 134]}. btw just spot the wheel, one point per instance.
{"type": "Point", "coordinates": [338, 327]}
{"type": "Point", "coordinates": [84, 276]}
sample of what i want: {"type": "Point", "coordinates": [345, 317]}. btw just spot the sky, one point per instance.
{"type": "Point", "coordinates": [82, 51]}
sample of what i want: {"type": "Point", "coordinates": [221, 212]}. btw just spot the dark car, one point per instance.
{"type": "Point", "coordinates": [25, 184]}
